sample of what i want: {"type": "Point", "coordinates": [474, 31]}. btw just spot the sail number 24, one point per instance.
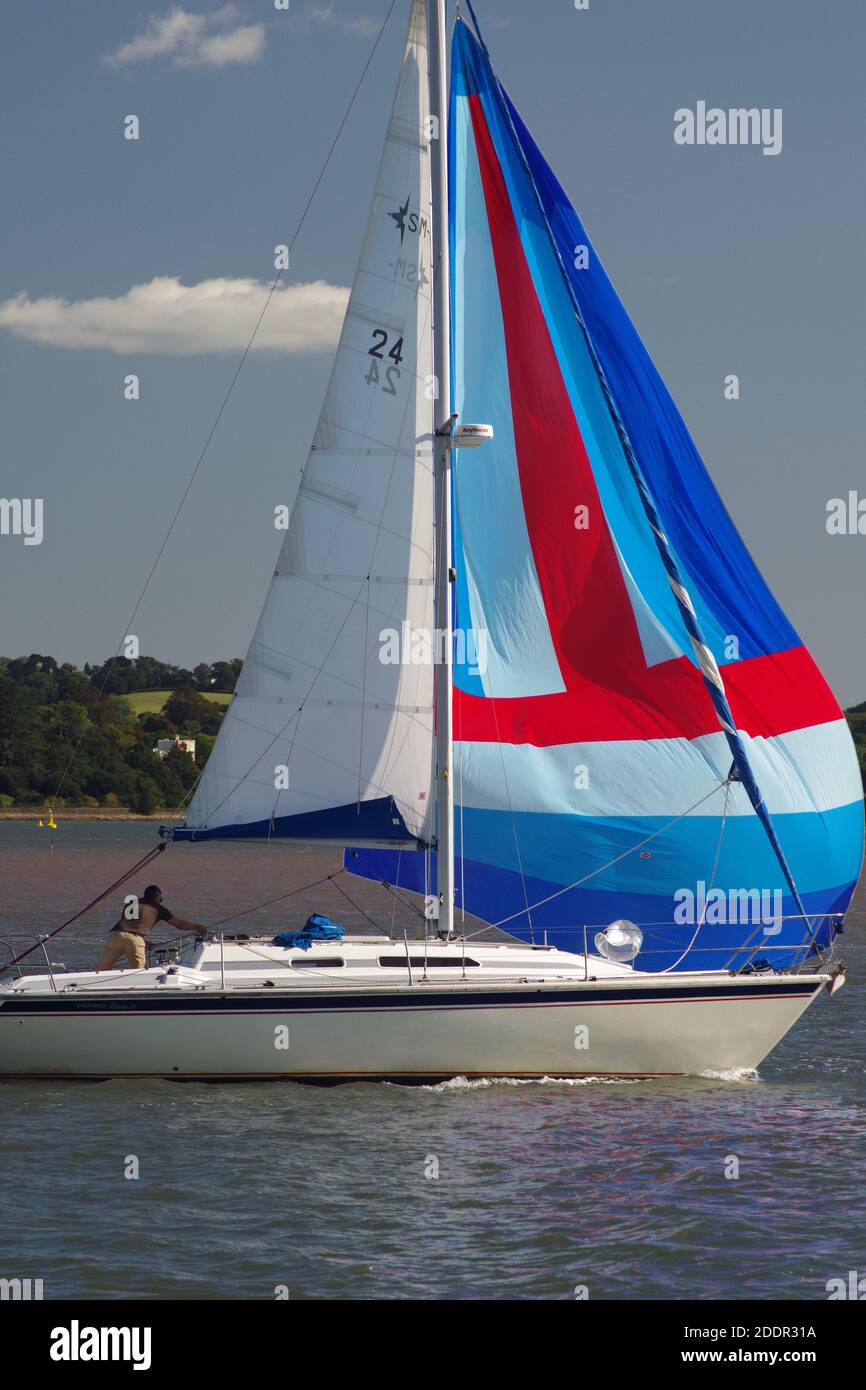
{"type": "Point", "coordinates": [378, 350]}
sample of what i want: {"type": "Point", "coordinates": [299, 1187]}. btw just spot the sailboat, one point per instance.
{"type": "Point", "coordinates": [515, 658]}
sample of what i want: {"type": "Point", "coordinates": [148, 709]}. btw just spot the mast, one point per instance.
{"type": "Point", "coordinates": [443, 426]}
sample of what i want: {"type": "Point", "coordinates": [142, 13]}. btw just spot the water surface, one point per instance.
{"type": "Point", "coordinates": [332, 1193]}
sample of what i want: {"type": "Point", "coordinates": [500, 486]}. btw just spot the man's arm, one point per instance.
{"type": "Point", "coordinates": [180, 924]}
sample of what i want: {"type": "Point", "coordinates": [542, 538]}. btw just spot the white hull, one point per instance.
{"type": "Point", "coordinates": [640, 1026]}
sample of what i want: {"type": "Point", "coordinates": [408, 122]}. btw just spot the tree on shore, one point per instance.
{"type": "Point", "coordinates": [58, 728]}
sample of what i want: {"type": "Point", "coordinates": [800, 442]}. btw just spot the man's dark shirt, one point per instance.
{"type": "Point", "coordinates": [148, 916]}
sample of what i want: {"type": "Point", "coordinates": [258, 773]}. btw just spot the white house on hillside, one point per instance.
{"type": "Point", "coordinates": [164, 746]}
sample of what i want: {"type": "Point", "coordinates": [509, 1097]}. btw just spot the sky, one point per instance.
{"type": "Point", "coordinates": [153, 257]}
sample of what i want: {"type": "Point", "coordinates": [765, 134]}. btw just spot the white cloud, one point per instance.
{"type": "Point", "coordinates": [328, 17]}
{"type": "Point", "coordinates": [243, 45]}
{"type": "Point", "coordinates": [164, 316]}
{"type": "Point", "coordinates": [188, 40]}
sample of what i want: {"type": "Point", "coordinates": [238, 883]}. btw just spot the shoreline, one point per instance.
{"type": "Point", "coordinates": [93, 813]}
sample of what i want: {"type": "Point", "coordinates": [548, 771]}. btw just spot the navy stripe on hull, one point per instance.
{"type": "Point", "coordinates": [74, 1006]}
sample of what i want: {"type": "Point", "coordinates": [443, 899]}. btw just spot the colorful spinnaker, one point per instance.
{"type": "Point", "coordinates": [610, 763]}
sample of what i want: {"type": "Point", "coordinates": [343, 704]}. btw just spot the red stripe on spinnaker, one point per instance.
{"type": "Point", "coordinates": [585, 598]}
{"type": "Point", "coordinates": [610, 692]}
{"type": "Point", "coordinates": [767, 694]}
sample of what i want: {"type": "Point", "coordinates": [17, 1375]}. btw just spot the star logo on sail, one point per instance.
{"type": "Point", "coordinates": [400, 218]}
{"type": "Point", "coordinates": [414, 274]}
{"type": "Point", "coordinates": [408, 221]}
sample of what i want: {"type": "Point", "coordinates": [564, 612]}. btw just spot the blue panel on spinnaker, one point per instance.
{"type": "Point", "coordinates": [570, 920]}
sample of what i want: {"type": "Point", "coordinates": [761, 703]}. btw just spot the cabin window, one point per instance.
{"type": "Point", "coordinates": [322, 964]}
{"type": "Point", "coordinates": [455, 962]}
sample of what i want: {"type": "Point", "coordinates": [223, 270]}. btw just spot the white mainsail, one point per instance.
{"type": "Point", "coordinates": [316, 704]}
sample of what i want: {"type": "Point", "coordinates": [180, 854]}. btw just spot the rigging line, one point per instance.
{"type": "Point", "coordinates": [807, 946]}
{"type": "Point", "coordinates": [586, 877]}
{"type": "Point", "coordinates": [394, 904]}
{"type": "Point", "coordinates": [357, 908]}
{"type": "Point", "coordinates": [231, 388]}
{"type": "Point", "coordinates": [346, 115]}
{"type": "Point", "coordinates": [191, 789]}
{"type": "Point", "coordinates": [404, 902]}
{"type": "Point", "coordinates": [270, 901]}
{"type": "Point", "coordinates": [666, 928]}
{"type": "Point", "coordinates": [151, 854]}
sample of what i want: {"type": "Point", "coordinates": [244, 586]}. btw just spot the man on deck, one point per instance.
{"type": "Point", "coordinates": [128, 935]}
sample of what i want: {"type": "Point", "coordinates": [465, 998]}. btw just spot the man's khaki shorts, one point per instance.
{"type": "Point", "coordinates": [123, 943]}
